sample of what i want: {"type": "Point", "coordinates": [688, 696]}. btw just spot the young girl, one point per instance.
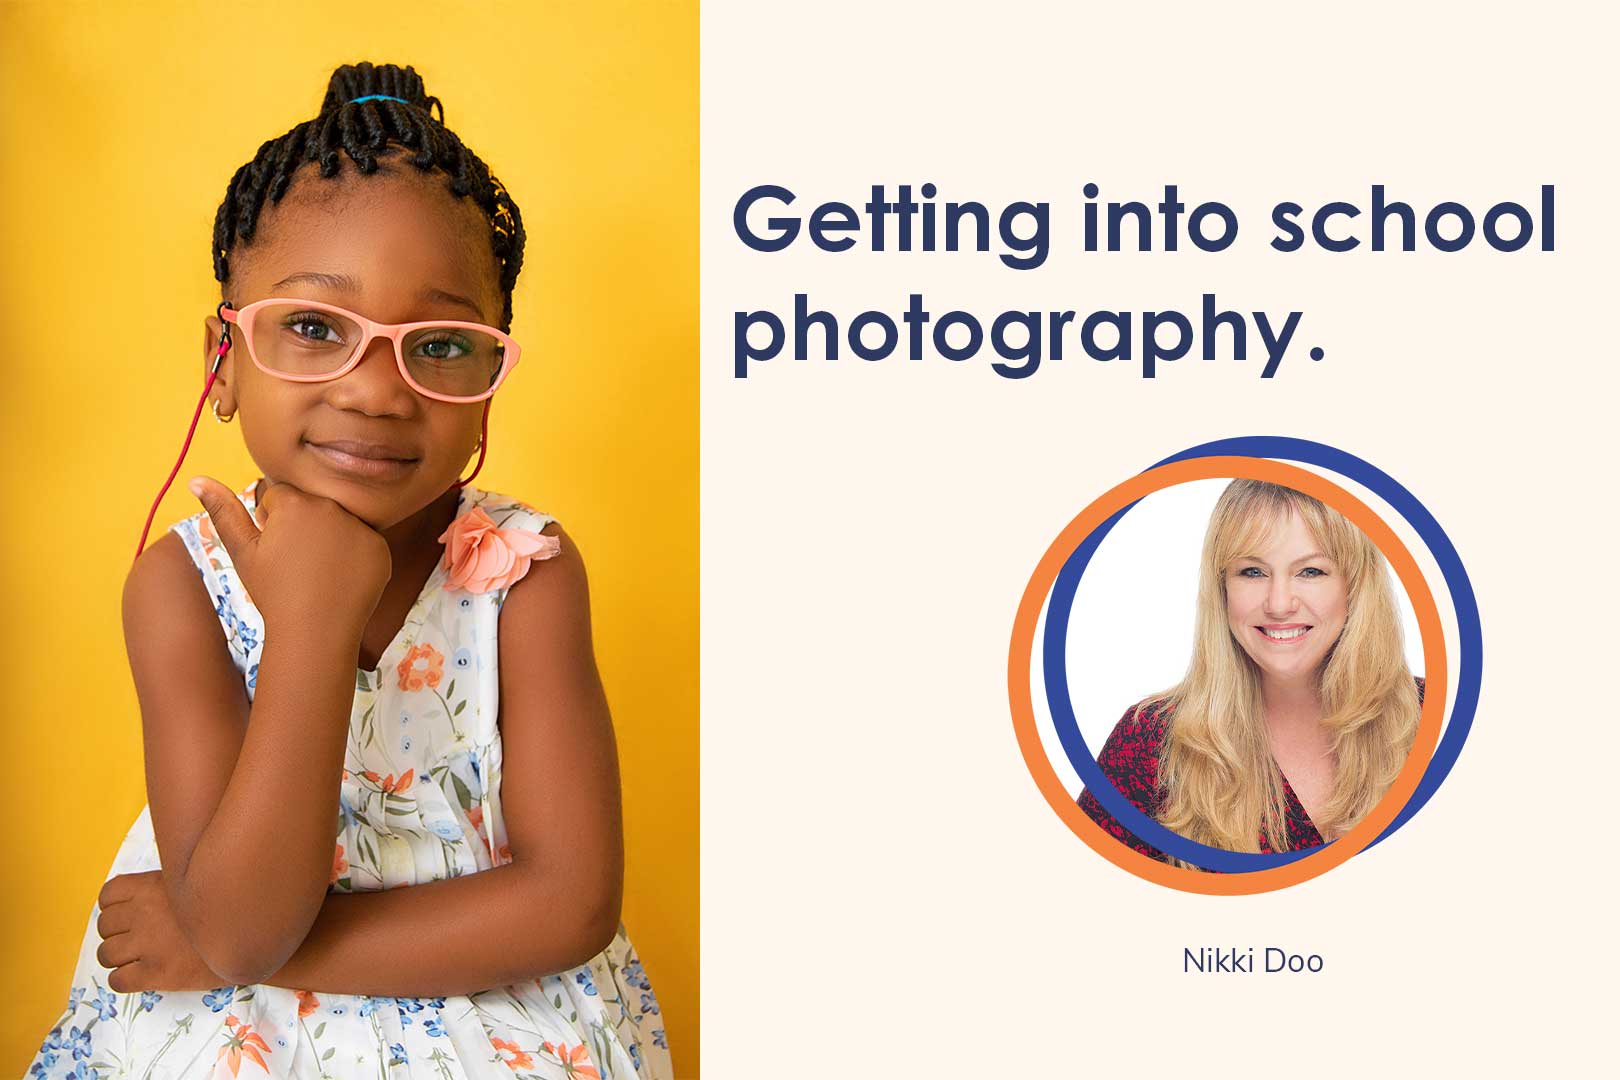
{"type": "Point", "coordinates": [320, 647]}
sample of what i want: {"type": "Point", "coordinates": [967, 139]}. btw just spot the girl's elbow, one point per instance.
{"type": "Point", "coordinates": [243, 950]}
{"type": "Point", "coordinates": [601, 925]}
{"type": "Point", "coordinates": [584, 911]}
{"type": "Point", "coordinates": [218, 941]}
{"type": "Point", "coordinates": [606, 911]}
{"type": "Point", "coordinates": [257, 960]}
{"type": "Point", "coordinates": [233, 960]}
{"type": "Point", "coordinates": [246, 976]}
{"type": "Point", "coordinates": [596, 918]}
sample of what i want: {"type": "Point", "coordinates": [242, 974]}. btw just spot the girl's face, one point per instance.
{"type": "Point", "coordinates": [394, 247]}
{"type": "Point", "coordinates": [1286, 603]}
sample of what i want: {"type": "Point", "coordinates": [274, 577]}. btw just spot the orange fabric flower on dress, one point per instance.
{"type": "Point", "coordinates": [391, 786]}
{"type": "Point", "coordinates": [339, 864]}
{"type": "Point", "coordinates": [520, 1059]}
{"type": "Point", "coordinates": [243, 1042]}
{"type": "Point", "coordinates": [206, 533]}
{"type": "Point", "coordinates": [482, 557]}
{"type": "Point", "coordinates": [413, 678]}
{"type": "Point", "coordinates": [573, 1060]}
{"type": "Point", "coordinates": [307, 1002]}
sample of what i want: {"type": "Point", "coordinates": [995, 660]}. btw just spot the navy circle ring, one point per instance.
{"type": "Point", "coordinates": [1469, 648]}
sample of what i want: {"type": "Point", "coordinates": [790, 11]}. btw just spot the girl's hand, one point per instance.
{"type": "Point", "coordinates": [142, 941]}
{"type": "Point", "coordinates": [306, 561]}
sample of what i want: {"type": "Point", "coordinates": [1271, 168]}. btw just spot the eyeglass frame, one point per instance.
{"type": "Point", "coordinates": [371, 330]}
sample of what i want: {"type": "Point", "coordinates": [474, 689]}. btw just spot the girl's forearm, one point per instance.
{"type": "Point", "coordinates": [259, 871]}
{"type": "Point", "coordinates": [506, 925]}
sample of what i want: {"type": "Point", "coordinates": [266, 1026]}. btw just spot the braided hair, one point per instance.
{"type": "Point", "coordinates": [364, 130]}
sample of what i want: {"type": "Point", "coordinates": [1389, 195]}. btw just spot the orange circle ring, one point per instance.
{"type": "Point", "coordinates": [1022, 652]}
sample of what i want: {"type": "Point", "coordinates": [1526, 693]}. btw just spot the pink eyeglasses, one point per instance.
{"type": "Point", "coordinates": [444, 360]}
{"type": "Point", "coordinates": [305, 341]}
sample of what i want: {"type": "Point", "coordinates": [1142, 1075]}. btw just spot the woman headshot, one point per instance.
{"type": "Point", "coordinates": [1297, 709]}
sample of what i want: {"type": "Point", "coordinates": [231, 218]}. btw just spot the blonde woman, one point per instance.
{"type": "Point", "coordinates": [1297, 710]}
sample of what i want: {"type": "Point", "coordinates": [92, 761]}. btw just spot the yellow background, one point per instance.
{"type": "Point", "coordinates": [121, 128]}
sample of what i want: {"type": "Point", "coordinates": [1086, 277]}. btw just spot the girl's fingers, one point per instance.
{"type": "Point", "coordinates": [117, 889]}
{"type": "Point", "coordinates": [233, 525]}
{"type": "Point", "coordinates": [117, 919]}
{"type": "Point", "coordinates": [116, 951]}
{"type": "Point", "coordinates": [134, 975]}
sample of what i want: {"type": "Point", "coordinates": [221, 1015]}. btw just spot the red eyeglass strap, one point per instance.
{"type": "Point", "coordinates": [213, 373]}
{"type": "Point", "coordinates": [483, 443]}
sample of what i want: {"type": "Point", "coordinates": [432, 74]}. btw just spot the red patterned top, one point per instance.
{"type": "Point", "coordinates": [1130, 759]}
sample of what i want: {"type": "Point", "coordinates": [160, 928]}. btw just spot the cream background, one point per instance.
{"type": "Point", "coordinates": [886, 892]}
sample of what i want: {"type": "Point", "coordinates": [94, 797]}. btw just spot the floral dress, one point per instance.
{"type": "Point", "coordinates": [419, 801]}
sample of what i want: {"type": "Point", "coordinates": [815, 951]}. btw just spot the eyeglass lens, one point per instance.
{"type": "Point", "coordinates": [293, 340]}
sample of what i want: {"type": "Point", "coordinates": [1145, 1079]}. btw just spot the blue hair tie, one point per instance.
{"type": "Point", "coordinates": [379, 97]}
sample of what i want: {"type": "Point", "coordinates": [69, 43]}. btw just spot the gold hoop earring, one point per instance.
{"type": "Point", "coordinates": [222, 419]}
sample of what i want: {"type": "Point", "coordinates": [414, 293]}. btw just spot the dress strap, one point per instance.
{"type": "Point", "coordinates": [483, 610]}
{"type": "Point", "coordinates": [239, 619]}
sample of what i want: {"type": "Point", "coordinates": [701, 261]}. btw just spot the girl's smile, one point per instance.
{"type": "Point", "coordinates": [371, 460]}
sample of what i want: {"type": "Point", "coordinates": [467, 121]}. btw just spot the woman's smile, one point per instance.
{"type": "Point", "coordinates": [1287, 634]}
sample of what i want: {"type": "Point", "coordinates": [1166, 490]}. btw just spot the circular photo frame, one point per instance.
{"type": "Point", "coordinates": [1052, 588]}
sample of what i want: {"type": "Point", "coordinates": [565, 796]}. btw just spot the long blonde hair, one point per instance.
{"type": "Point", "coordinates": [1222, 787]}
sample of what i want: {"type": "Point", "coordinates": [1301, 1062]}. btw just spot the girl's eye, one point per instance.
{"type": "Point", "coordinates": [312, 327]}
{"type": "Point", "coordinates": [444, 348]}
{"type": "Point", "coordinates": [1312, 572]}
{"type": "Point", "coordinates": [1251, 572]}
